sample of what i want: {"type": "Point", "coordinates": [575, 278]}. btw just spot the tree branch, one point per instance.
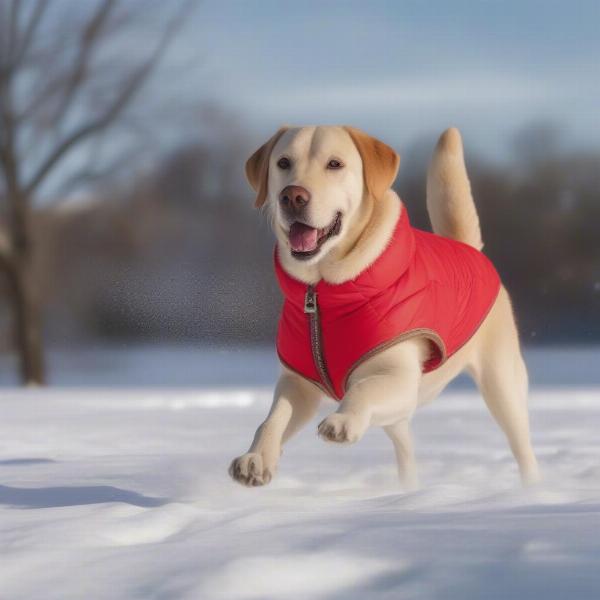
{"type": "Point", "coordinates": [13, 20]}
{"type": "Point", "coordinates": [91, 33]}
{"type": "Point", "coordinates": [130, 88]}
{"type": "Point", "coordinates": [34, 21]}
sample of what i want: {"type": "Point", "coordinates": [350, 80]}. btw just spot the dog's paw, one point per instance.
{"type": "Point", "coordinates": [249, 470]}
{"type": "Point", "coordinates": [342, 428]}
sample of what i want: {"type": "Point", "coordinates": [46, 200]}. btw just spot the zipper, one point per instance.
{"type": "Point", "coordinates": [311, 308]}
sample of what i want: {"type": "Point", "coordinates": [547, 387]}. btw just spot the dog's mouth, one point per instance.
{"type": "Point", "coordinates": [306, 241]}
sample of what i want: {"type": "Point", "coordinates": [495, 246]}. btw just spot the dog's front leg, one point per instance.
{"type": "Point", "coordinates": [295, 401]}
{"type": "Point", "coordinates": [382, 391]}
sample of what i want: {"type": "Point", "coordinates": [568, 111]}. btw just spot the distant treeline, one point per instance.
{"type": "Point", "coordinates": [182, 255]}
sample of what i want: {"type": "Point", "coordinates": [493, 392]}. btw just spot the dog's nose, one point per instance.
{"type": "Point", "coordinates": [294, 197]}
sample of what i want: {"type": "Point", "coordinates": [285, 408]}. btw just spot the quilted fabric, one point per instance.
{"type": "Point", "coordinates": [422, 284]}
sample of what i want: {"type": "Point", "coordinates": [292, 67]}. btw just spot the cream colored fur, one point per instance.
{"type": "Point", "coordinates": [369, 224]}
{"type": "Point", "coordinates": [387, 388]}
{"type": "Point", "coordinates": [449, 201]}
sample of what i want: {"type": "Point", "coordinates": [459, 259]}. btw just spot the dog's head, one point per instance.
{"type": "Point", "coordinates": [314, 181]}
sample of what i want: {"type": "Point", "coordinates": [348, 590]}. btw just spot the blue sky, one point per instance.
{"type": "Point", "coordinates": [401, 70]}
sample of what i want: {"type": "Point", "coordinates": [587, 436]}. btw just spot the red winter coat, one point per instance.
{"type": "Point", "coordinates": [421, 285]}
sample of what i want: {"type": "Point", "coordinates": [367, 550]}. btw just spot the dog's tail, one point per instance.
{"type": "Point", "coordinates": [449, 201]}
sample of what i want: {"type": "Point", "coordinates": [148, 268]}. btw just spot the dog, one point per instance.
{"type": "Point", "coordinates": [351, 329]}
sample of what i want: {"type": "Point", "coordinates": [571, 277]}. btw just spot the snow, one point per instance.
{"type": "Point", "coordinates": [124, 494]}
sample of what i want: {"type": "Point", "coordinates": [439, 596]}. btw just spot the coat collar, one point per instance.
{"type": "Point", "coordinates": [387, 269]}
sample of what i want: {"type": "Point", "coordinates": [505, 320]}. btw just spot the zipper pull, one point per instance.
{"type": "Point", "coordinates": [310, 300]}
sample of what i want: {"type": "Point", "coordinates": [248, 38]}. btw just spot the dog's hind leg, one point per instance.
{"type": "Point", "coordinates": [401, 437]}
{"type": "Point", "coordinates": [501, 376]}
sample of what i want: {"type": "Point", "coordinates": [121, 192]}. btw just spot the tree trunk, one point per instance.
{"type": "Point", "coordinates": [27, 321]}
{"type": "Point", "coordinates": [25, 301]}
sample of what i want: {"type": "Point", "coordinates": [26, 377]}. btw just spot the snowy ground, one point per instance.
{"type": "Point", "coordinates": [123, 494]}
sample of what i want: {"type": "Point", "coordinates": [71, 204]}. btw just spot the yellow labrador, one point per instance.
{"type": "Point", "coordinates": [341, 183]}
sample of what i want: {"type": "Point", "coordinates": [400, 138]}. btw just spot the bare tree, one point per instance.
{"type": "Point", "coordinates": [68, 72]}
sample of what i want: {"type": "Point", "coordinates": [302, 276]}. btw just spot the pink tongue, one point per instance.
{"type": "Point", "coordinates": [303, 238]}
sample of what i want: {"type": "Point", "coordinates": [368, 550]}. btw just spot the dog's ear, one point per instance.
{"type": "Point", "coordinates": [257, 168]}
{"type": "Point", "coordinates": [380, 162]}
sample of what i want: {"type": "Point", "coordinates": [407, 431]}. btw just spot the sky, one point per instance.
{"type": "Point", "coordinates": [400, 70]}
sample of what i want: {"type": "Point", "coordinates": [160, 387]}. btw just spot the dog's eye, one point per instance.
{"type": "Point", "coordinates": [284, 163]}
{"type": "Point", "coordinates": [334, 164]}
